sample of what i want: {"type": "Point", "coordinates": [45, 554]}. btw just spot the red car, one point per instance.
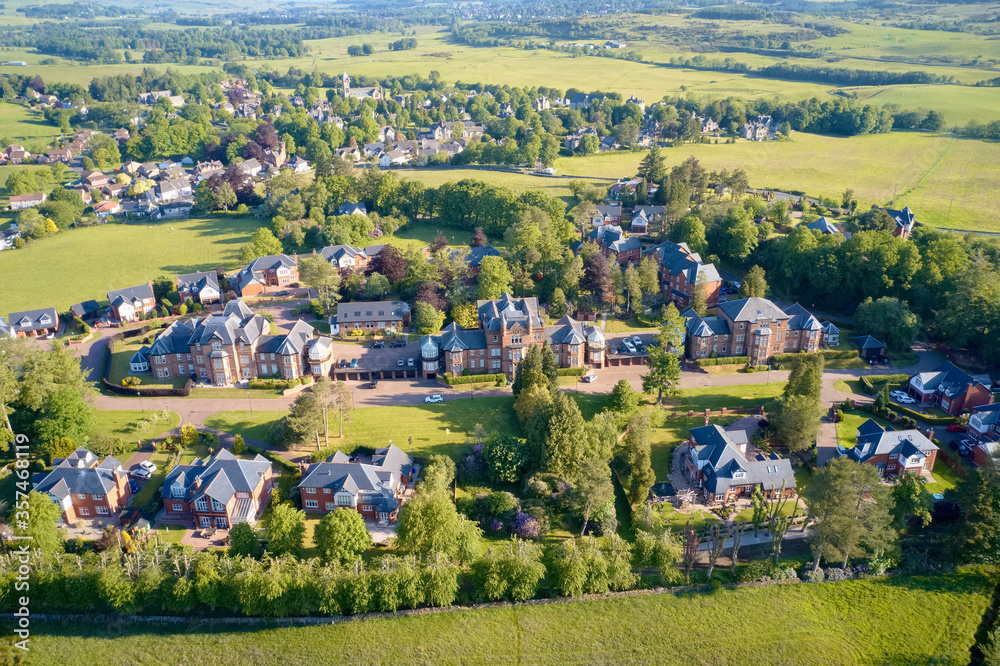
{"type": "Point", "coordinates": [956, 427]}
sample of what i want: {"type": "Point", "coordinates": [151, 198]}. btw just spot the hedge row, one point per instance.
{"type": "Point", "coordinates": [826, 353]}
{"type": "Point", "coordinates": [278, 384]}
{"type": "Point", "coordinates": [926, 418]}
{"type": "Point", "coordinates": [149, 392]}
{"type": "Point", "coordinates": [871, 381]}
{"type": "Point", "coordinates": [273, 457]}
{"type": "Point", "coordinates": [726, 360]}
{"type": "Point", "coordinates": [473, 379]}
{"type": "Point", "coordinates": [572, 372]}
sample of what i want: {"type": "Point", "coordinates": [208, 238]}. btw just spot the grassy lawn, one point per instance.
{"type": "Point", "coordinates": [731, 397]}
{"type": "Point", "coordinates": [944, 479]}
{"type": "Point", "coordinates": [902, 359]}
{"type": "Point", "coordinates": [878, 621]}
{"type": "Point", "coordinates": [847, 430]}
{"type": "Point", "coordinates": [165, 248]}
{"type": "Point", "coordinates": [851, 386]}
{"type": "Point", "coordinates": [120, 356]}
{"type": "Point", "coordinates": [614, 325]}
{"type": "Point", "coordinates": [26, 127]}
{"type": "Point", "coordinates": [122, 423]}
{"type": "Point", "coordinates": [171, 533]}
{"type": "Point", "coordinates": [320, 326]}
{"type": "Point", "coordinates": [845, 364]}
{"type": "Point", "coordinates": [252, 425]}
{"type": "Point", "coordinates": [787, 508]}
{"type": "Point", "coordinates": [730, 369]}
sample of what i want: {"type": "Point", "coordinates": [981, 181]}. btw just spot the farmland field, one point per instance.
{"type": "Point", "coordinates": [81, 264]}
{"type": "Point", "coordinates": [898, 620]}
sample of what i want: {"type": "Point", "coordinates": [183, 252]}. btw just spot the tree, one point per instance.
{"type": "Point", "coordinates": [390, 263]}
{"type": "Point", "coordinates": [505, 458]}
{"type": "Point", "coordinates": [597, 278]}
{"type": "Point", "coordinates": [911, 500]}
{"type": "Point", "coordinates": [888, 319]}
{"type": "Point", "coordinates": [494, 278]}
{"type": "Point", "coordinates": [317, 273]}
{"type": "Point", "coordinates": [377, 286]}
{"type": "Point", "coordinates": [623, 399]}
{"type": "Point", "coordinates": [690, 230]}
{"type": "Point", "coordinates": [561, 451]}
{"type": "Point", "coordinates": [592, 490]}
{"type": "Point", "coordinates": [639, 453]}
{"type": "Point", "coordinates": [224, 197]}
{"type": "Point", "coordinates": [633, 285]}
{"type": "Point", "coordinates": [189, 435]}
{"type": "Point", "coordinates": [664, 366]}
{"type": "Point", "coordinates": [851, 510]}
{"type": "Point", "coordinates": [242, 540]}
{"type": "Point", "coordinates": [239, 445]}
{"type": "Point", "coordinates": [796, 420]}
{"type": "Point", "coordinates": [557, 303]}
{"type": "Point", "coordinates": [439, 474]}
{"type": "Point", "coordinates": [479, 238]}
{"type": "Point", "coordinates": [699, 296]}
{"type": "Point", "coordinates": [977, 536]}
{"type": "Point", "coordinates": [806, 376]}
{"type": "Point", "coordinates": [306, 418]}
{"type": "Point", "coordinates": [754, 285]}
{"type": "Point", "coordinates": [285, 530]}
{"type": "Point", "coordinates": [262, 244]}
{"type": "Point", "coordinates": [36, 520]}
{"type": "Point", "coordinates": [426, 318]}
{"type": "Point", "coordinates": [465, 315]}
{"type": "Point", "coordinates": [653, 165]}
{"type": "Point", "coordinates": [67, 415]}
{"type": "Point", "coordinates": [430, 524]}
{"type": "Point", "coordinates": [342, 536]}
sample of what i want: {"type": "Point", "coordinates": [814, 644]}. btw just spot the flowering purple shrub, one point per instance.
{"type": "Point", "coordinates": [472, 466]}
{"type": "Point", "coordinates": [376, 232]}
{"type": "Point", "coordinates": [525, 527]}
{"type": "Point", "coordinates": [836, 573]}
{"type": "Point", "coordinates": [495, 526]}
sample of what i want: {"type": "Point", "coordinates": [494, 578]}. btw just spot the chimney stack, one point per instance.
{"type": "Point", "coordinates": [197, 483]}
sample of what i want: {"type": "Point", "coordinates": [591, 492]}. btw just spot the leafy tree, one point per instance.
{"type": "Point", "coordinates": [653, 165]}
{"type": "Point", "coordinates": [597, 278]}
{"type": "Point", "coordinates": [754, 285]}
{"type": "Point", "coordinates": [189, 435]}
{"type": "Point", "coordinates": [242, 540]}
{"type": "Point", "coordinates": [977, 536]}
{"type": "Point", "coordinates": [664, 366]}
{"type": "Point", "coordinates": [557, 303]}
{"type": "Point", "coordinates": [623, 399]}
{"type": "Point", "coordinates": [910, 498]}
{"type": "Point", "coordinates": [465, 315]}
{"type": "Point", "coordinates": [37, 521]}
{"type": "Point", "coordinates": [285, 530]}
{"type": "Point", "coordinates": [529, 372]}
{"type": "Point", "coordinates": [430, 524]}
{"type": "Point", "coordinates": [511, 570]}
{"type": "Point", "coordinates": [699, 295]}
{"type": "Point", "coordinates": [262, 244]}
{"type": "Point", "coordinates": [796, 420]}
{"type": "Point", "coordinates": [494, 278]}
{"type": "Point", "coordinates": [342, 536]}
{"type": "Point", "coordinates": [806, 376]}
{"type": "Point", "coordinates": [239, 445]}
{"type": "Point", "coordinates": [439, 473]}
{"type": "Point", "coordinates": [888, 319]}
{"type": "Point", "coordinates": [639, 453]}
{"type": "Point", "coordinates": [390, 263]}
{"type": "Point", "coordinates": [67, 415]}
{"type": "Point", "coordinates": [376, 286]}
{"type": "Point", "coordinates": [690, 230]}
{"type": "Point", "coordinates": [426, 318]}
{"type": "Point", "coordinates": [593, 489]}
{"type": "Point", "coordinates": [851, 511]}
{"type": "Point", "coordinates": [479, 238]}
{"type": "Point", "coordinates": [505, 458]}
{"type": "Point", "coordinates": [306, 417]}
{"type": "Point", "coordinates": [224, 197]}
{"type": "Point", "coordinates": [562, 449]}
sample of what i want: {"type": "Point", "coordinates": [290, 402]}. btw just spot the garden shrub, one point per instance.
{"type": "Point", "coordinates": [837, 574]}
{"type": "Point", "coordinates": [727, 360]}
{"type": "Point", "coordinates": [816, 576]}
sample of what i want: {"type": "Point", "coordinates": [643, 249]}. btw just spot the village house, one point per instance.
{"type": "Point", "coordinates": [679, 269]}
{"type": "Point", "coordinates": [475, 255]}
{"type": "Point", "coordinates": [716, 461]}
{"type": "Point", "coordinates": [201, 287]}
{"type": "Point", "coordinates": [614, 245]}
{"type": "Point", "coordinates": [374, 489]}
{"type": "Point", "coordinates": [34, 323]}
{"type": "Point", "coordinates": [893, 452]}
{"type": "Point", "coordinates": [203, 170]}
{"type": "Point", "coordinates": [94, 180]}
{"type": "Point", "coordinates": [984, 423]}
{"type": "Point", "coordinates": [828, 228]}
{"type": "Point", "coordinates": [372, 316]}
{"type": "Point", "coordinates": [22, 201]}
{"type": "Point", "coordinates": [951, 389]}
{"type": "Point", "coordinates": [374, 93]}
{"type": "Point", "coordinates": [753, 327]}
{"type": "Point", "coordinates": [508, 326]}
{"type": "Point", "coordinates": [904, 219]}
{"type": "Point", "coordinates": [105, 209]}
{"type": "Point", "coordinates": [345, 256]}
{"type": "Point", "coordinates": [220, 492]}
{"type": "Point", "coordinates": [129, 303]}
{"type": "Point", "coordinates": [87, 311]}
{"type": "Point", "coordinates": [277, 270]}
{"type": "Point", "coordinates": [60, 155]}
{"type": "Point", "coordinates": [250, 166]}
{"type": "Point", "coordinates": [84, 488]}
{"type": "Point", "coordinates": [351, 208]}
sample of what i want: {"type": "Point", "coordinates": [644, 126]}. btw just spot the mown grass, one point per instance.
{"type": "Point", "coordinates": [122, 423]}
{"type": "Point", "coordinates": [716, 397]}
{"type": "Point", "coordinates": [898, 620]}
{"type": "Point", "coordinates": [847, 430]}
{"type": "Point", "coordinates": [82, 264]}
{"type": "Point", "coordinates": [25, 127]}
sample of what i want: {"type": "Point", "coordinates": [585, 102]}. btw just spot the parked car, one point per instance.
{"type": "Point", "coordinates": [956, 427]}
{"type": "Point", "coordinates": [148, 466]}
{"type": "Point", "coordinates": [588, 379]}
{"type": "Point", "coordinates": [639, 347]}
{"type": "Point", "coordinates": [399, 362]}
{"type": "Point", "coordinates": [378, 344]}
{"type": "Point", "coordinates": [965, 448]}
{"type": "Point", "coordinates": [282, 293]}
{"type": "Point", "coordinates": [374, 384]}
{"type": "Point", "coordinates": [636, 340]}
{"type": "Point", "coordinates": [433, 398]}
{"type": "Point", "coordinates": [897, 394]}
{"type": "Point", "coordinates": [905, 400]}
{"type": "Point", "coordinates": [140, 473]}
{"type": "Point", "coordinates": [629, 346]}
{"type": "Point", "coordinates": [410, 362]}
{"type": "Point", "coordinates": [354, 362]}
{"type": "Point", "coordinates": [343, 362]}
{"type": "Point", "coordinates": [398, 344]}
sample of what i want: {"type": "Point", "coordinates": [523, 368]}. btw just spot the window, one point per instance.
{"type": "Point", "coordinates": [200, 360]}
{"type": "Point", "coordinates": [98, 497]}
{"type": "Point", "coordinates": [201, 505]}
{"type": "Point", "coordinates": [496, 365]}
{"type": "Point", "coordinates": [81, 496]}
{"type": "Point", "coordinates": [216, 506]}
{"type": "Point", "coordinates": [495, 338]}
{"type": "Point", "coordinates": [515, 340]}
{"type": "Point", "coordinates": [178, 507]}
{"type": "Point", "coordinates": [343, 500]}
{"type": "Point", "coordinates": [311, 491]}
{"type": "Point", "coordinates": [741, 327]}
{"type": "Point", "coordinates": [84, 511]}
{"type": "Point", "coordinates": [496, 351]}
{"type": "Point", "coordinates": [221, 522]}
{"type": "Point", "coordinates": [326, 491]}
{"type": "Point", "coordinates": [205, 521]}
{"type": "Point", "coordinates": [102, 511]}
{"type": "Point", "coordinates": [329, 506]}
{"type": "Point", "coordinates": [272, 357]}
{"type": "Point", "coordinates": [179, 357]}
{"type": "Point", "coordinates": [366, 507]}
{"type": "Point", "coordinates": [312, 504]}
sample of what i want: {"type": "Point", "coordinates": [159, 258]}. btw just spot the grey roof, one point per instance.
{"type": "Point", "coordinates": [195, 282]}
{"type": "Point", "coordinates": [85, 308]}
{"type": "Point", "coordinates": [370, 480]}
{"type": "Point", "coordinates": [950, 380]}
{"type": "Point", "coordinates": [723, 461]}
{"type": "Point", "coordinates": [476, 254]}
{"type": "Point", "coordinates": [506, 311]}
{"type": "Point", "coordinates": [79, 474]}
{"type": "Point", "coordinates": [678, 259]}
{"type": "Point", "coordinates": [349, 313]}
{"type": "Point", "coordinates": [272, 261]}
{"type": "Point", "coordinates": [625, 245]}
{"type": "Point", "coordinates": [236, 323]}
{"type": "Point", "coordinates": [135, 294]}
{"type": "Point", "coordinates": [348, 208]}
{"type": "Point", "coordinates": [452, 338]}
{"type": "Point", "coordinates": [569, 331]}
{"type": "Point", "coordinates": [752, 310]}
{"type": "Point", "coordinates": [294, 342]}
{"type": "Point", "coordinates": [140, 356]}
{"type": "Point", "coordinates": [801, 319]}
{"type": "Point", "coordinates": [704, 326]}
{"type": "Point", "coordinates": [829, 327]}
{"type": "Point", "coordinates": [873, 440]}
{"type": "Point", "coordinates": [866, 342]}
{"type": "Point", "coordinates": [221, 477]}
{"type": "Point", "coordinates": [824, 226]}
{"type": "Point", "coordinates": [32, 320]}
{"type": "Point", "coordinates": [336, 252]}
{"type": "Point", "coordinates": [904, 218]}
{"type": "Point", "coordinates": [988, 414]}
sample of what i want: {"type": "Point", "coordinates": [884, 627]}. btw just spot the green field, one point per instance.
{"type": "Point", "coordinates": [25, 127]}
{"type": "Point", "coordinates": [731, 397]}
{"type": "Point", "coordinates": [81, 264]}
{"type": "Point", "coordinates": [122, 423]}
{"type": "Point", "coordinates": [899, 620]}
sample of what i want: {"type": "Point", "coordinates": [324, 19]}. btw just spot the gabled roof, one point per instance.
{"type": "Point", "coordinates": [801, 320]}
{"type": "Point", "coordinates": [79, 473]}
{"type": "Point", "coordinates": [725, 465]}
{"type": "Point", "coordinates": [352, 209]}
{"type": "Point", "coordinates": [349, 313]}
{"type": "Point", "coordinates": [337, 252]}
{"type": "Point", "coordinates": [506, 311]}
{"type": "Point", "coordinates": [988, 414]}
{"type": "Point", "coordinates": [824, 226]}
{"type": "Point", "coordinates": [373, 480]}
{"type": "Point", "coordinates": [873, 440]}
{"type": "Point", "coordinates": [677, 259]}
{"type": "Point", "coordinates": [752, 310]}
{"type": "Point", "coordinates": [866, 342]}
{"type": "Point", "coordinates": [221, 477]}
{"type": "Point", "coordinates": [130, 294]}
{"type": "Point", "coordinates": [570, 331]}
{"type": "Point", "coordinates": [476, 254]}
{"type": "Point", "coordinates": [829, 328]}
{"type": "Point", "coordinates": [271, 261]}
{"type": "Point", "coordinates": [701, 327]}
{"type": "Point", "coordinates": [32, 320]}
{"type": "Point", "coordinates": [195, 282]}
{"type": "Point", "coordinates": [904, 218]}
{"type": "Point", "coordinates": [950, 380]}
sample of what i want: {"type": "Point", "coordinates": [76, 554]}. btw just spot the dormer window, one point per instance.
{"type": "Point", "coordinates": [45, 319]}
{"type": "Point", "coordinates": [217, 345]}
{"type": "Point", "coordinates": [739, 474]}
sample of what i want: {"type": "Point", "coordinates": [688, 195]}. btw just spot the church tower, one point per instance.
{"type": "Point", "coordinates": [347, 86]}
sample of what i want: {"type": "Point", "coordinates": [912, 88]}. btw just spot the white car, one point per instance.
{"type": "Point", "coordinates": [637, 340]}
{"type": "Point", "coordinates": [628, 345]}
{"type": "Point", "coordinates": [433, 399]}
{"type": "Point", "coordinates": [588, 379]}
{"type": "Point", "coordinates": [905, 400]}
{"type": "Point", "coordinates": [897, 395]}
{"type": "Point", "coordinates": [148, 466]}
{"type": "Point", "coordinates": [144, 470]}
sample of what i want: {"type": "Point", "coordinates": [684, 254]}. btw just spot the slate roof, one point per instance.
{"type": "Point", "coordinates": [701, 327]}
{"type": "Point", "coordinates": [78, 474]}
{"type": "Point", "coordinates": [222, 476]}
{"type": "Point", "coordinates": [476, 254]}
{"type": "Point", "coordinates": [236, 323]}
{"type": "Point", "coordinates": [723, 461]}
{"type": "Point", "coordinates": [254, 271]}
{"type": "Point", "coordinates": [32, 320]}
{"type": "Point", "coordinates": [801, 319]}
{"type": "Point", "coordinates": [950, 380]}
{"type": "Point", "coordinates": [334, 253]}
{"type": "Point", "coordinates": [348, 208]}
{"type": "Point", "coordinates": [866, 342]}
{"type": "Point", "coordinates": [350, 313]}
{"type": "Point", "coordinates": [678, 259]}
{"type": "Point", "coordinates": [372, 481]}
{"type": "Point", "coordinates": [988, 414]}
{"type": "Point", "coordinates": [752, 310]}
{"type": "Point", "coordinates": [195, 282]}
{"type": "Point", "coordinates": [874, 440]}
{"type": "Point", "coordinates": [133, 295]}
{"type": "Point", "coordinates": [506, 311]}
{"type": "Point", "coordinates": [904, 218]}
{"type": "Point", "coordinates": [829, 328]}
{"type": "Point", "coordinates": [570, 331]}
{"type": "Point", "coordinates": [824, 226]}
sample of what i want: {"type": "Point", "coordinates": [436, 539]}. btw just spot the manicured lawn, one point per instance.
{"type": "Point", "coordinates": [730, 369]}
{"type": "Point", "coordinates": [851, 386]}
{"type": "Point", "coordinates": [665, 438]}
{"type": "Point", "coordinates": [845, 364]}
{"type": "Point", "coordinates": [171, 533]}
{"type": "Point", "coordinates": [252, 425]}
{"type": "Point", "coordinates": [731, 397]}
{"type": "Point", "coordinates": [320, 326]}
{"type": "Point", "coordinates": [787, 508]}
{"type": "Point", "coordinates": [122, 423]}
{"type": "Point", "coordinates": [87, 271]}
{"type": "Point", "coordinates": [944, 478]}
{"type": "Point", "coordinates": [898, 620]}
{"type": "Point", "coordinates": [847, 430]}
{"type": "Point", "coordinates": [120, 355]}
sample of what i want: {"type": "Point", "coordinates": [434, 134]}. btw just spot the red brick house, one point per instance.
{"type": "Point", "coordinates": [611, 239]}
{"type": "Point", "coordinates": [127, 304]}
{"type": "Point", "coordinates": [374, 488]}
{"type": "Point", "coordinates": [985, 453]}
{"type": "Point", "coordinates": [84, 488]}
{"type": "Point", "coordinates": [753, 327]}
{"type": "Point", "coordinates": [34, 323]}
{"type": "Point", "coordinates": [716, 461]}
{"type": "Point", "coordinates": [219, 492]}
{"type": "Point", "coordinates": [984, 423]}
{"type": "Point", "coordinates": [679, 270]}
{"type": "Point", "coordinates": [893, 452]}
{"type": "Point", "coordinates": [951, 389]}
{"type": "Point", "coordinates": [277, 270]}
{"type": "Point", "coordinates": [371, 316]}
